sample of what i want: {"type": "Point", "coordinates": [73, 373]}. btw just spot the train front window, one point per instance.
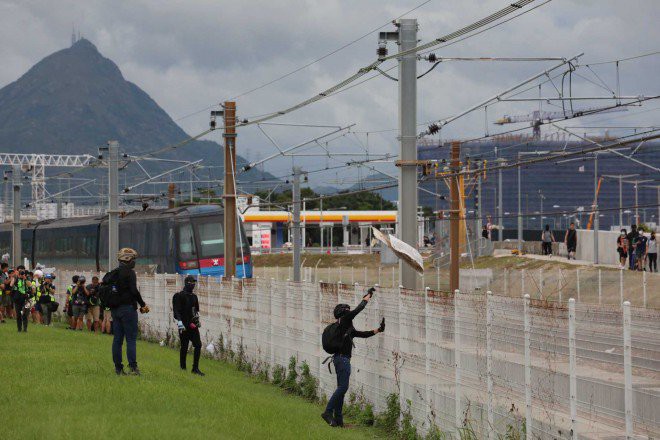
{"type": "Point", "coordinates": [186, 242]}
{"type": "Point", "coordinates": [211, 239]}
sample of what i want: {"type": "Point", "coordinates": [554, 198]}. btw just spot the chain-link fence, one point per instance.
{"type": "Point", "coordinates": [481, 363]}
{"type": "Point", "coordinates": [588, 285]}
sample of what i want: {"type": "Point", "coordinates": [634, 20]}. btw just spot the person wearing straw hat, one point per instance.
{"type": "Point", "coordinates": [123, 282]}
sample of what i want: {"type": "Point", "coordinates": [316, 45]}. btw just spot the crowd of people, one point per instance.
{"type": "Point", "coordinates": [30, 296]}
{"type": "Point", "coordinates": [637, 249]}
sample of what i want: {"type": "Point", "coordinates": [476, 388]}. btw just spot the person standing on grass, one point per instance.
{"type": "Point", "coordinates": [547, 238]}
{"type": "Point", "coordinates": [652, 253]}
{"type": "Point", "coordinates": [68, 305]}
{"type": "Point", "coordinates": [93, 305]}
{"type": "Point", "coordinates": [126, 298]}
{"type": "Point", "coordinates": [79, 296]}
{"type": "Point", "coordinates": [345, 331]}
{"type": "Point", "coordinates": [4, 282]}
{"type": "Point", "coordinates": [571, 241]}
{"type": "Point", "coordinates": [185, 308]}
{"type": "Point", "coordinates": [622, 248]}
{"type": "Point", "coordinates": [47, 299]}
{"type": "Point", "coordinates": [22, 300]}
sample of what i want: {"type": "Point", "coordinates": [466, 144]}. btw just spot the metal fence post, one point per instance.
{"type": "Point", "coordinates": [627, 369]}
{"type": "Point", "coordinates": [320, 331]}
{"type": "Point", "coordinates": [621, 286]}
{"type": "Point", "coordinates": [643, 286]}
{"type": "Point", "coordinates": [340, 274]}
{"type": "Point", "coordinates": [600, 286]}
{"type": "Point", "coordinates": [365, 277]}
{"type": "Point", "coordinates": [522, 281]}
{"type": "Point", "coordinates": [272, 326]}
{"type": "Point", "coordinates": [393, 277]}
{"type": "Point", "coordinates": [506, 282]}
{"type": "Point", "coordinates": [577, 283]}
{"type": "Point", "coordinates": [437, 274]}
{"type": "Point", "coordinates": [528, 370]}
{"type": "Point", "coordinates": [427, 357]}
{"type": "Point", "coordinates": [379, 283]}
{"type": "Point", "coordinates": [560, 285]}
{"type": "Point", "coordinates": [457, 361]}
{"type": "Point", "coordinates": [572, 367]}
{"type": "Point", "coordinates": [540, 282]}
{"type": "Point", "coordinates": [489, 363]}
{"type": "Point", "coordinates": [402, 400]}
{"type": "Point", "coordinates": [352, 276]}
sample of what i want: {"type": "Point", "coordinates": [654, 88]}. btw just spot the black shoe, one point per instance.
{"type": "Point", "coordinates": [183, 368]}
{"type": "Point", "coordinates": [135, 371]}
{"type": "Point", "coordinates": [120, 371]}
{"type": "Point", "coordinates": [328, 418]}
{"type": "Point", "coordinates": [197, 372]}
{"type": "Point", "coordinates": [336, 424]}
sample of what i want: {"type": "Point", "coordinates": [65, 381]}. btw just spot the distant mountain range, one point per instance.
{"type": "Point", "coordinates": [75, 100]}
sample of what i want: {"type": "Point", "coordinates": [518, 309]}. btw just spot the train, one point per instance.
{"type": "Point", "coordinates": [187, 240]}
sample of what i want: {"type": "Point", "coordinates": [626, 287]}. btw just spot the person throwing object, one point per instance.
{"type": "Point", "coordinates": [185, 307]}
{"type": "Point", "coordinates": [338, 341]}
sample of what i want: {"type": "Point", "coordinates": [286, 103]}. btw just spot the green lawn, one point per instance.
{"type": "Point", "coordinates": [60, 384]}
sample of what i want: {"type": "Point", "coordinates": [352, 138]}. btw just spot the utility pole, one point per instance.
{"type": "Point", "coordinates": [8, 190]}
{"type": "Point", "coordinates": [113, 203]}
{"type": "Point", "coordinates": [520, 219]}
{"type": "Point", "coordinates": [407, 209]}
{"type": "Point", "coordinates": [321, 221]}
{"type": "Point", "coordinates": [16, 221]}
{"type": "Point", "coordinates": [596, 219]}
{"type": "Point", "coordinates": [541, 196]}
{"type": "Point", "coordinates": [500, 209]}
{"type": "Point", "coordinates": [297, 232]}
{"type": "Point", "coordinates": [454, 217]}
{"type": "Point", "coordinates": [230, 189]}
{"type": "Point", "coordinates": [192, 200]}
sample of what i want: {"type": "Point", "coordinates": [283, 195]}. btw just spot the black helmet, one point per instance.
{"type": "Point", "coordinates": [190, 280]}
{"type": "Point", "coordinates": [341, 309]}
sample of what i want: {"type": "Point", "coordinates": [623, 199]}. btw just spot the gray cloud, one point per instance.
{"type": "Point", "coordinates": [188, 55]}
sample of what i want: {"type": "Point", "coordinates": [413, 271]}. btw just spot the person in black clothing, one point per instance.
{"type": "Point", "coordinates": [571, 241]}
{"type": "Point", "coordinates": [342, 360]}
{"type": "Point", "coordinates": [185, 308]}
{"type": "Point", "coordinates": [124, 315]}
{"type": "Point", "coordinates": [633, 236]}
{"type": "Point", "coordinates": [21, 294]}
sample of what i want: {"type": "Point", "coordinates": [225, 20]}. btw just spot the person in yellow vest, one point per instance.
{"type": "Point", "coordinates": [69, 305]}
{"type": "Point", "coordinates": [37, 280]}
{"type": "Point", "coordinates": [22, 302]}
{"type": "Point", "coordinates": [47, 299]}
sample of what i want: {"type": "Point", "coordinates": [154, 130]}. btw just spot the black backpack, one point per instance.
{"type": "Point", "coordinates": [332, 338]}
{"type": "Point", "coordinates": [108, 292]}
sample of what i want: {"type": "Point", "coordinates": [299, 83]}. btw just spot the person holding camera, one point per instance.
{"type": "Point", "coordinates": [68, 306]}
{"type": "Point", "coordinates": [47, 299]}
{"type": "Point", "coordinates": [21, 294]}
{"type": "Point", "coordinates": [185, 308]}
{"type": "Point", "coordinates": [79, 296]}
{"type": "Point", "coordinates": [94, 305]}
{"type": "Point", "coordinates": [338, 341]}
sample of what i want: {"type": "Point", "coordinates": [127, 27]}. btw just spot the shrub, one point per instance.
{"type": "Point", "coordinates": [279, 374]}
{"type": "Point", "coordinates": [291, 382]}
{"type": "Point", "coordinates": [308, 383]}
{"type": "Point", "coordinates": [388, 421]}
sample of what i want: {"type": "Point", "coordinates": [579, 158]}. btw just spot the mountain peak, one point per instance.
{"type": "Point", "coordinates": [83, 44]}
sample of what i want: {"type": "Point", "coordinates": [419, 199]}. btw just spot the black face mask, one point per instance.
{"type": "Point", "coordinates": [129, 264]}
{"type": "Point", "coordinates": [189, 288]}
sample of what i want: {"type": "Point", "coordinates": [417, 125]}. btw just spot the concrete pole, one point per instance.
{"type": "Point", "coordinates": [636, 203]}
{"type": "Point", "coordinates": [500, 208]}
{"type": "Point", "coordinates": [304, 224]}
{"type": "Point", "coordinates": [113, 203]}
{"type": "Point", "coordinates": [59, 206]}
{"type": "Point", "coordinates": [407, 209]}
{"type": "Point", "coordinates": [596, 217]}
{"type": "Point", "coordinates": [8, 190]}
{"type": "Point", "coordinates": [520, 219]}
{"type": "Point", "coordinates": [321, 221]}
{"type": "Point", "coordinates": [297, 239]}
{"type": "Point", "coordinates": [480, 222]}
{"type": "Point", "coordinates": [16, 221]}
{"type": "Point", "coordinates": [621, 202]}
{"type": "Point", "coordinates": [230, 189]}
{"type": "Point", "coordinates": [454, 222]}
{"type": "Point", "coordinates": [192, 200]}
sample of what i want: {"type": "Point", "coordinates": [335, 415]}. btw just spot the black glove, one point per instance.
{"type": "Point", "coordinates": [381, 329]}
{"type": "Point", "coordinates": [370, 293]}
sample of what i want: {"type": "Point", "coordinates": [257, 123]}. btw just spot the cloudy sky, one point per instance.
{"type": "Point", "coordinates": [189, 55]}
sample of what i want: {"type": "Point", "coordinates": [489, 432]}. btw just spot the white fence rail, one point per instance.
{"type": "Point", "coordinates": [492, 362]}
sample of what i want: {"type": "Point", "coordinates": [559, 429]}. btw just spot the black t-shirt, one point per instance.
{"type": "Point", "coordinates": [93, 297]}
{"type": "Point", "coordinates": [346, 325]}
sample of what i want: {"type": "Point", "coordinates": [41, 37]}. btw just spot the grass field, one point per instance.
{"type": "Point", "coordinates": [59, 384]}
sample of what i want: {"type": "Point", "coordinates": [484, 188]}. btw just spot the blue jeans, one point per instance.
{"type": "Point", "coordinates": [124, 325]}
{"type": "Point", "coordinates": [336, 402]}
{"type": "Point", "coordinates": [631, 258]}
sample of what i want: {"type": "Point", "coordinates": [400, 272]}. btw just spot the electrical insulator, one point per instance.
{"type": "Point", "coordinates": [433, 129]}
{"type": "Point", "coordinates": [432, 58]}
{"type": "Point", "coordinates": [382, 50]}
